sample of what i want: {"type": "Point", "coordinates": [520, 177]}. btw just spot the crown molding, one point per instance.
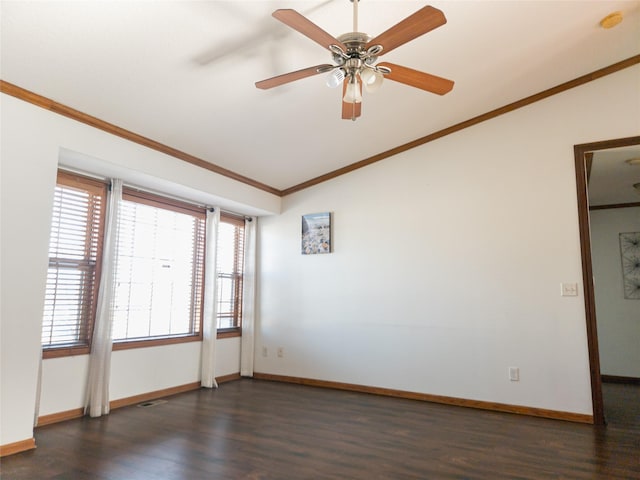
{"type": "Point", "coordinates": [61, 109]}
{"type": "Point", "coordinates": [576, 82]}
{"type": "Point", "coordinates": [51, 105]}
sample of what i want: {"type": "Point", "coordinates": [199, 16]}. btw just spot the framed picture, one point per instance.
{"type": "Point", "coordinates": [630, 255]}
{"type": "Point", "coordinates": [316, 233]}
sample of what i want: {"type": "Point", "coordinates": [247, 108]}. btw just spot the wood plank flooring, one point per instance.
{"type": "Point", "coordinates": [252, 429]}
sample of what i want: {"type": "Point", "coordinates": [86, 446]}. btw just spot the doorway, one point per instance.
{"type": "Point", "coordinates": [583, 154]}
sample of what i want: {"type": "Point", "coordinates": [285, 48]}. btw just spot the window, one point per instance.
{"type": "Point", "coordinates": [159, 269]}
{"type": "Point", "coordinates": [230, 260]}
{"type": "Point", "coordinates": [75, 247]}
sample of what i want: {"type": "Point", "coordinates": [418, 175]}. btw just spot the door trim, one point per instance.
{"type": "Point", "coordinates": [580, 152]}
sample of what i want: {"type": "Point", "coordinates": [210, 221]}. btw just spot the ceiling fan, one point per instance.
{"type": "Point", "coordinates": [355, 55]}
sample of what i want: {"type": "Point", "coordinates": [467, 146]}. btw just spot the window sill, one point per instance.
{"type": "Point", "coordinates": [154, 342]}
{"type": "Point", "coordinates": [126, 345]}
{"type": "Point", "coordinates": [229, 333]}
{"type": "Point", "coordinates": [65, 352]}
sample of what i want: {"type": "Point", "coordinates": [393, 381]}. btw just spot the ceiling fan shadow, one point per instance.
{"type": "Point", "coordinates": [264, 32]}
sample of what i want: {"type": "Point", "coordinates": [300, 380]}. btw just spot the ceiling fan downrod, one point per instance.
{"type": "Point", "coordinates": [355, 15]}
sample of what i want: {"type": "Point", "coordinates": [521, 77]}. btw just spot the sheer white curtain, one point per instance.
{"type": "Point", "coordinates": [36, 412]}
{"type": "Point", "coordinates": [97, 398]}
{"type": "Point", "coordinates": [248, 297]}
{"type": "Point", "coordinates": [210, 307]}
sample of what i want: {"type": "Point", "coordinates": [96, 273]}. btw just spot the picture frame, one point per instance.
{"type": "Point", "coordinates": [630, 257]}
{"type": "Point", "coordinates": [316, 233]}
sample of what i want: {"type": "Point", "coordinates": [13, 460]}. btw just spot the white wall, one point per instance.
{"type": "Point", "coordinates": [448, 261]}
{"type": "Point", "coordinates": [446, 269]}
{"type": "Point", "coordinates": [134, 372]}
{"type": "Point", "coordinates": [34, 140]}
{"type": "Point", "coordinates": [618, 318]}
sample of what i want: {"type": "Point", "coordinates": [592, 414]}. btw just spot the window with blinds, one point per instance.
{"type": "Point", "coordinates": [230, 260]}
{"type": "Point", "coordinates": [75, 248]}
{"type": "Point", "coordinates": [159, 269]}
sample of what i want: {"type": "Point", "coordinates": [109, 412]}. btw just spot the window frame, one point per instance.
{"type": "Point", "coordinates": [98, 188]}
{"type": "Point", "coordinates": [158, 201]}
{"type": "Point", "coordinates": [235, 331]}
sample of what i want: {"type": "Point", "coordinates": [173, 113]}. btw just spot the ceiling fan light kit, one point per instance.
{"type": "Point", "coordinates": [355, 55]}
{"type": "Point", "coordinates": [335, 78]}
{"type": "Point", "coordinates": [372, 80]}
{"type": "Point", "coordinates": [353, 93]}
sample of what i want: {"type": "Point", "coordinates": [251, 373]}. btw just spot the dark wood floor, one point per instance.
{"type": "Point", "coordinates": [252, 429]}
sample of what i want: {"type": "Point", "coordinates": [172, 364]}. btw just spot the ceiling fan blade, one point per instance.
{"type": "Point", "coordinates": [292, 76]}
{"type": "Point", "coordinates": [351, 111]}
{"type": "Point", "coordinates": [421, 22]}
{"type": "Point", "coordinates": [415, 78]}
{"type": "Point", "coordinates": [306, 27]}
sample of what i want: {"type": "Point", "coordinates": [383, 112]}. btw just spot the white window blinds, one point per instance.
{"type": "Point", "coordinates": [74, 262]}
{"type": "Point", "coordinates": [159, 269]}
{"type": "Point", "coordinates": [230, 269]}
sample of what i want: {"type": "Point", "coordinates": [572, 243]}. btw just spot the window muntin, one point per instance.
{"type": "Point", "coordinates": [159, 269]}
{"type": "Point", "coordinates": [230, 266]}
{"type": "Point", "coordinates": [75, 251]}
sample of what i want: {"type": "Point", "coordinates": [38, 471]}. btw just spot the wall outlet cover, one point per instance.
{"type": "Point", "coordinates": [569, 289]}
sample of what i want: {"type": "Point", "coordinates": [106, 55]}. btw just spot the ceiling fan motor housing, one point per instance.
{"type": "Point", "coordinates": [355, 43]}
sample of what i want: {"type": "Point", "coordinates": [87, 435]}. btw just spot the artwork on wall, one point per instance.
{"type": "Point", "coordinates": [316, 233]}
{"type": "Point", "coordinates": [630, 253]}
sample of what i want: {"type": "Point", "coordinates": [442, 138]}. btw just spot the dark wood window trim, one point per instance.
{"type": "Point", "coordinates": [155, 342]}
{"type": "Point", "coordinates": [229, 332]}
{"type": "Point", "coordinates": [64, 352]}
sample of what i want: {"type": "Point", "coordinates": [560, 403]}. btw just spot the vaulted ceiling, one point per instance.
{"type": "Point", "coordinates": [182, 73]}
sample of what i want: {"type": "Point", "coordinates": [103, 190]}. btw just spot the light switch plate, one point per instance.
{"type": "Point", "coordinates": [569, 289]}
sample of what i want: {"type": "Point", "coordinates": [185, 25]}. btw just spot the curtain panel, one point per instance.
{"type": "Point", "coordinates": [97, 397]}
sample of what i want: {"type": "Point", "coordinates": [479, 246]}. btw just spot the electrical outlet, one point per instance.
{"type": "Point", "coordinates": [280, 352]}
{"type": "Point", "coordinates": [514, 374]}
{"type": "Point", "coordinates": [265, 352]}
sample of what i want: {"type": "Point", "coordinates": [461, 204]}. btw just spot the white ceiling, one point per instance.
{"type": "Point", "coordinates": [182, 73]}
